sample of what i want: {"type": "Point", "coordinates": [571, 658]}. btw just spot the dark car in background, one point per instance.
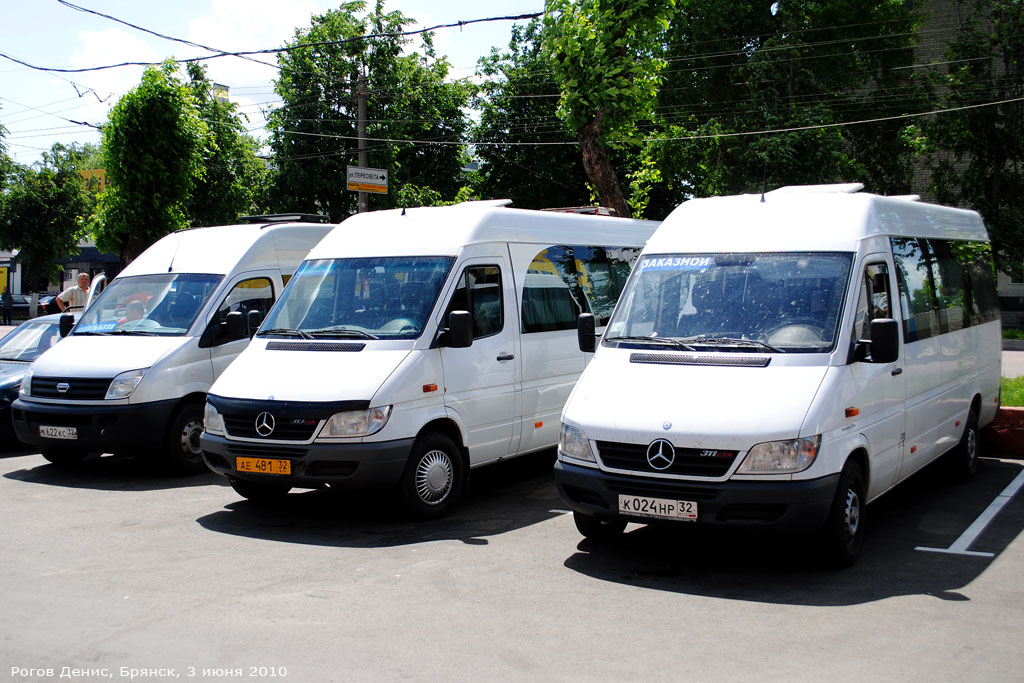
{"type": "Point", "coordinates": [18, 348]}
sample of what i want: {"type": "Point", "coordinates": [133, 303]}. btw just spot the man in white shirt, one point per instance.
{"type": "Point", "coordinates": [75, 295]}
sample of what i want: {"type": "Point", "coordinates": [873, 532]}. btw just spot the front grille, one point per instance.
{"type": "Point", "coordinates": [687, 462]}
{"type": "Point", "coordinates": [78, 389]}
{"type": "Point", "coordinates": [59, 419]}
{"type": "Point", "coordinates": [655, 489]}
{"type": "Point", "coordinates": [257, 450]}
{"type": "Point", "coordinates": [285, 429]}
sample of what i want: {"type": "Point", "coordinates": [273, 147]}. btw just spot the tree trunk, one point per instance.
{"type": "Point", "coordinates": [599, 168]}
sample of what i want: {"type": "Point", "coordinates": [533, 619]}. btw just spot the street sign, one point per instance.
{"type": "Point", "coordinates": [367, 179]}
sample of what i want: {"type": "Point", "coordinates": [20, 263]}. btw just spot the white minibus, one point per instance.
{"type": "Point", "coordinates": [777, 361]}
{"type": "Point", "coordinates": [132, 375]}
{"type": "Point", "coordinates": [413, 345]}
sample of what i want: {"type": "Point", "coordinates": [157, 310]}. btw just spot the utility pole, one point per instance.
{"type": "Point", "coordinates": [362, 203]}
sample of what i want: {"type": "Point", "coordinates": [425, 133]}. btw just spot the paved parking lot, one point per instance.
{"type": "Point", "coordinates": [111, 569]}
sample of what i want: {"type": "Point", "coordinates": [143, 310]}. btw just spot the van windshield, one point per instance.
{"type": "Point", "coordinates": [164, 304]}
{"type": "Point", "coordinates": [762, 302]}
{"type": "Point", "coordinates": [367, 298]}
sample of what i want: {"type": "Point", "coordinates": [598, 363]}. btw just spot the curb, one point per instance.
{"type": "Point", "coordinates": [1005, 434]}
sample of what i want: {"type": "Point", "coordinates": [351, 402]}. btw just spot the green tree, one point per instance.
{"type": "Point", "coordinates": [606, 57]}
{"type": "Point", "coordinates": [978, 159]}
{"type": "Point", "coordinates": [739, 67]}
{"type": "Point", "coordinates": [44, 213]}
{"type": "Point", "coordinates": [153, 148]}
{"type": "Point", "coordinates": [314, 132]}
{"type": "Point", "coordinates": [234, 180]}
{"type": "Point", "coordinates": [516, 106]}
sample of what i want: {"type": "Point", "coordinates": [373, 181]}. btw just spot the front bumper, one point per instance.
{"type": "Point", "coordinates": [355, 466]}
{"type": "Point", "coordinates": [789, 506]}
{"type": "Point", "coordinates": [135, 428]}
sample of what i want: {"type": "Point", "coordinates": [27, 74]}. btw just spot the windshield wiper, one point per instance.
{"type": "Point", "coordinates": [732, 342]}
{"type": "Point", "coordinates": [134, 332]}
{"type": "Point", "coordinates": [660, 341]}
{"type": "Point", "coordinates": [342, 331]}
{"type": "Point", "coordinates": [284, 331]}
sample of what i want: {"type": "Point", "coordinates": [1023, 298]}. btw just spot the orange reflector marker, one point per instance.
{"type": "Point", "coordinates": [427, 388]}
{"type": "Point", "coordinates": [852, 412]}
{"type": "Point", "coordinates": [958, 423]}
{"type": "Point", "coordinates": [913, 449]}
{"type": "Point", "coordinates": [538, 425]}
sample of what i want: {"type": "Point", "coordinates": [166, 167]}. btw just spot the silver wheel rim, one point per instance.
{"type": "Point", "coordinates": [190, 445]}
{"type": "Point", "coordinates": [972, 447]}
{"type": "Point", "coordinates": [852, 514]}
{"type": "Point", "coordinates": [434, 477]}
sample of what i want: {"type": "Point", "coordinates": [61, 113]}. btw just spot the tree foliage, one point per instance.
{"type": "Point", "coordinates": [314, 132]}
{"type": "Point", "coordinates": [979, 152]}
{"type": "Point", "coordinates": [739, 69]}
{"type": "Point", "coordinates": [153, 147]}
{"type": "Point", "coordinates": [44, 212]}
{"type": "Point", "coordinates": [606, 57]}
{"type": "Point", "coordinates": [514, 108]}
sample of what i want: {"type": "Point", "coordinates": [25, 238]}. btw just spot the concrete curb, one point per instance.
{"type": "Point", "coordinates": [1005, 434]}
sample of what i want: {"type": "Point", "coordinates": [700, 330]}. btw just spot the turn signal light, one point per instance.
{"type": "Point", "coordinates": [852, 412]}
{"type": "Point", "coordinates": [427, 388]}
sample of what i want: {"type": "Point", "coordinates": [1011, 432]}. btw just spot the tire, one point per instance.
{"type": "Point", "coordinates": [843, 534]}
{"type": "Point", "coordinates": [64, 458]}
{"type": "Point", "coordinates": [433, 478]}
{"type": "Point", "coordinates": [597, 529]}
{"type": "Point", "coordinates": [259, 491]}
{"type": "Point", "coordinates": [962, 460]}
{"type": "Point", "coordinates": [182, 453]}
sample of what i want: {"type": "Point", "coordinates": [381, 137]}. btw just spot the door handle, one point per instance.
{"type": "Point", "coordinates": [897, 371]}
{"type": "Point", "coordinates": [505, 356]}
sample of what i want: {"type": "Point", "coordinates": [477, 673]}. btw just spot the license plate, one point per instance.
{"type": "Point", "coordinates": [264, 465]}
{"type": "Point", "coordinates": [659, 508]}
{"type": "Point", "coordinates": [58, 432]}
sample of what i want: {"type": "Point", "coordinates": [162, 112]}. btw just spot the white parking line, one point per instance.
{"type": "Point", "coordinates": [961, 545]}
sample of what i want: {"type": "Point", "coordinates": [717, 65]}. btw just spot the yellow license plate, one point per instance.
{"type": "Point", "coordinates": [264, 465]}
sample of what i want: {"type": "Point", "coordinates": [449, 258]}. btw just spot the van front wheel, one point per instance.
{"type": "Point", "coordinates": [843, 534]}
{"type": "Point", "coordinates": [182, 451]}
{"type": "Point", "coordinates": [433, 477]}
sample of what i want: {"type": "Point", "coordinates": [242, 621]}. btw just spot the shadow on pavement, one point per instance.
{"type": "Point", "coordinates": [110, 473]}
{"type": "Point", "coordinates": [927, 510]}
{"type": "Point", "coordinates": [502, 497]}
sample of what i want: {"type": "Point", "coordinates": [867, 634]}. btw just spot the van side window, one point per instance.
{"type": "Point", "coordinates": [479, 291]}
{"type": "Point", "coordinates": [874, 301]}
{"type": "Point", "coordinates": [254, 294]}
{"type": "Point", "coordinates": [917, 288]}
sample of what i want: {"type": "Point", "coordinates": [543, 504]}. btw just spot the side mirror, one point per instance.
{"type": "Point", "coordinates": [460, 330]}
{"type": "Point", "coordinates": [885, 340]}
{"type": "Point", "coordinates": [67, 321]}
{"type": "Point", "coordinates": [234, 326]}
{"type": "Point", "coordinates": [585, 332]}
{"type": "Point", "coordinates": [253, 319]}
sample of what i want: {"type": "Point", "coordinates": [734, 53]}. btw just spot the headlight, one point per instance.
{"type": "Point", "coordinates": [355, 423]}
{"type": "Point", "coordinates": [573, 443]}
{"type": "Point", "coordinates": [778, 457]}
{"type": "Point", "coordinates": [125, 383]}
{"type": "Point", "coordinates": [212, 420]}
{"type": "Point", "coordinates": [26, 384]}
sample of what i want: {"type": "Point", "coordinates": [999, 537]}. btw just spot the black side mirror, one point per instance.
{"type": "Point", "coordinates": [234, 326]}
{"type": "Point", "coordinates": [585, 332]}
{"type": "Point", "coordinates": [885, 340]}
{"type": "Point", "coordinates": [67, 321]}
{"type": "Point", "coordinates": [460, 330]}
{"type": "Point", "coordinates": [253, 319]}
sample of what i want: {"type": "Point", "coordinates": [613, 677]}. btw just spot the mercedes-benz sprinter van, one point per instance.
{"type": "Point", "coordinates": [414, 345]}
{"type": "Point", "coordinates": [132, 376]}
{"type": "Point", "coordinates": [780, 360]}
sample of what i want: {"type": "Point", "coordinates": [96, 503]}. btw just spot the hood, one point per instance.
{"type": "Point", "coordinates": [104, 356]}
{"type": "Point", "coordinates": [695, 406]}
{"type": "Point", "coordinates": [262, 373]}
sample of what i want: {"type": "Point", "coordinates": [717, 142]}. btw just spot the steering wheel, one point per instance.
{"type": "Point", "coordinates": [797, 330]}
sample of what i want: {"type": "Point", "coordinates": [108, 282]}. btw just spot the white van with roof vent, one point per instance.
{"type": "Point", "coordinates": [414, 345]}
{"type": "Point", "coordinates": [132, 375]}
{"type": "Point", "coordinates": [777, 361]}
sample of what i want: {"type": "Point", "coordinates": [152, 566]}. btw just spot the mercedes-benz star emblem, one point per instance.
{"type": "Point", "coordinates": [264, 424]}
{"type": "Point", "coordinates": [661, 454]}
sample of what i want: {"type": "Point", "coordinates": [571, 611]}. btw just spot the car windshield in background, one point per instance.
{"type": "Point", "coordinates": [778, 302]}
{"type": "Point", "coordinates": [161, 304]}
{"type": "Point", "coordinates": [28, 341]}
{"type": "Point", "coordinates": [367, 298]}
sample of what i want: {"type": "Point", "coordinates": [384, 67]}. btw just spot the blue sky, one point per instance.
{"type": "Point", "coordinates": [35, 107]}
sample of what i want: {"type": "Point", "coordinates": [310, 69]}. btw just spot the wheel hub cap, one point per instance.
{"type": "Point", "coordinates": [852, 513]}
{"type": "Point", "coordinates": [434, 477]}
